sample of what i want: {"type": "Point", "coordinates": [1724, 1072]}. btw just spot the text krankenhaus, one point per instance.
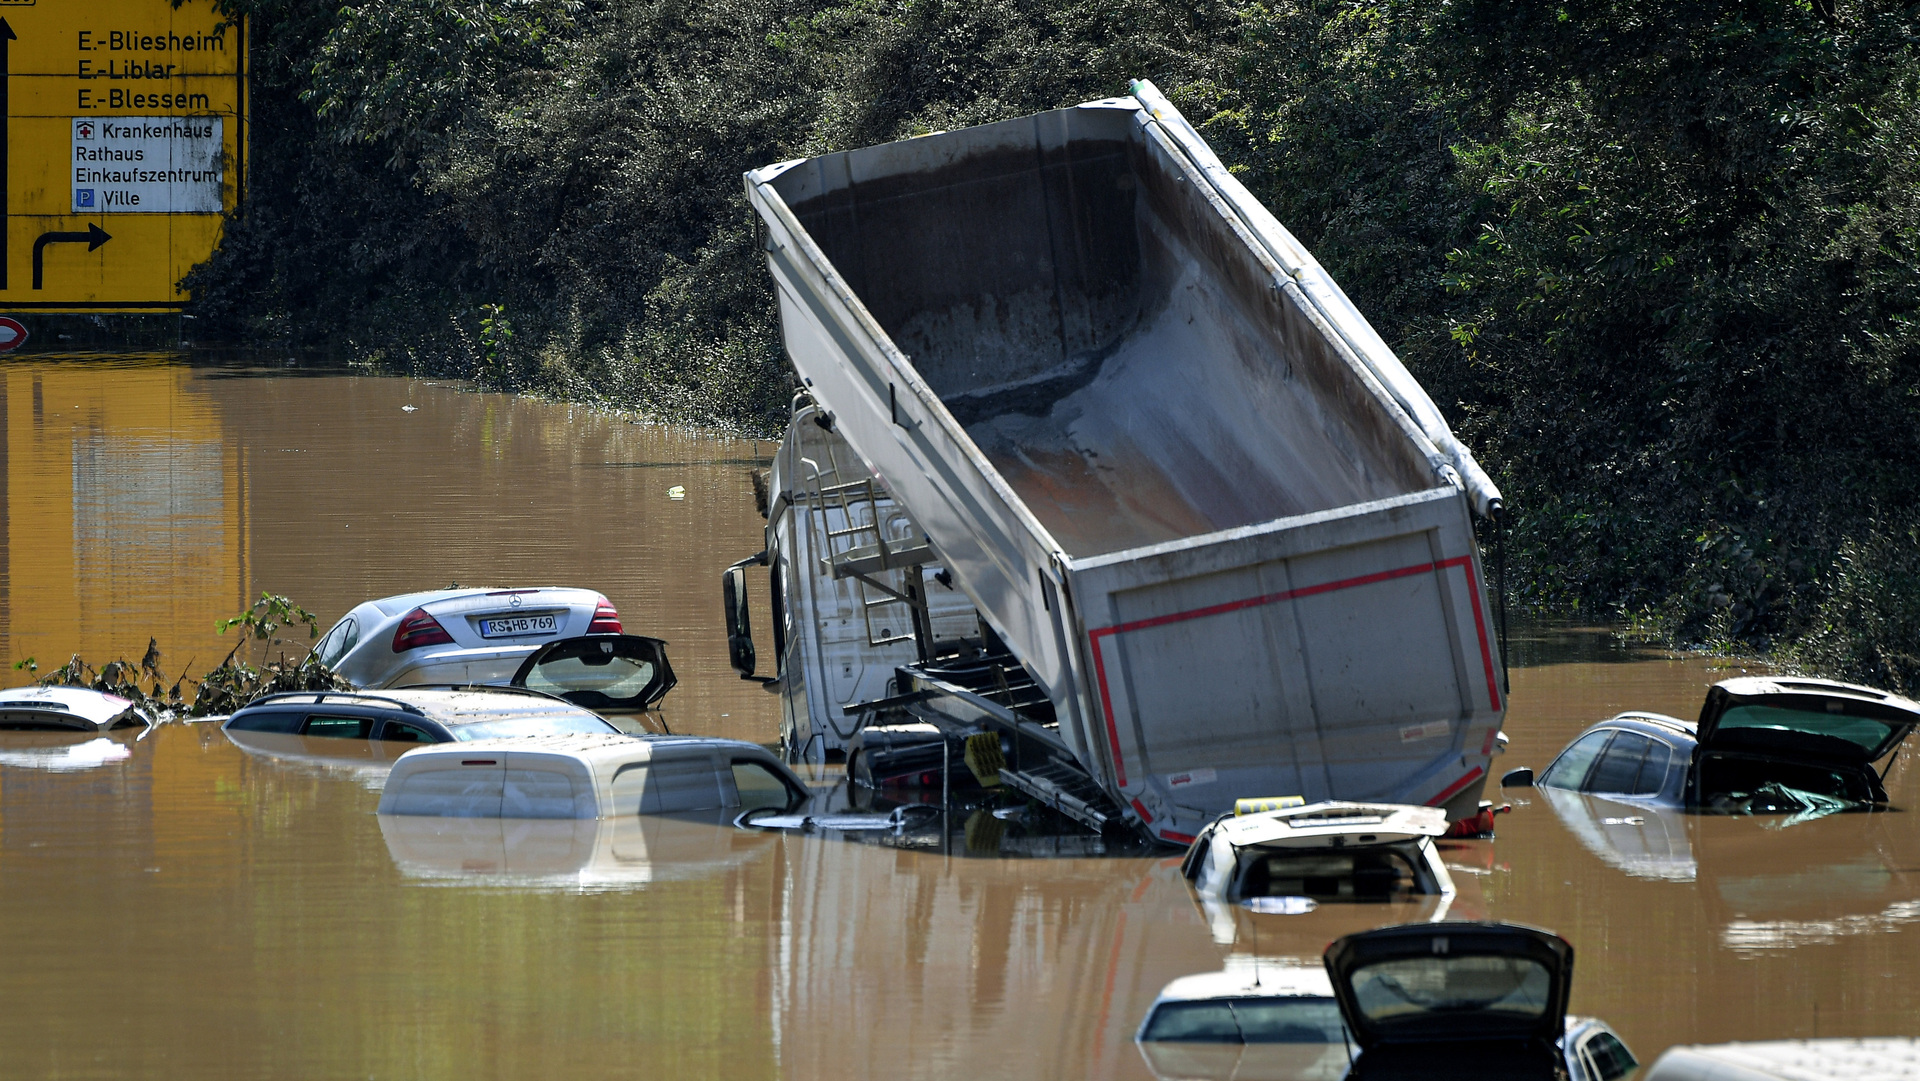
{"type": "Point", "coordinates": [147, 165]}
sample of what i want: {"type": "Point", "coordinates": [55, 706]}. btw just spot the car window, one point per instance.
{"type": "Point", "coordinates": [402, 732]}
{"type": "Point", "coordinates": [1193, 1022]}
{"type": "Point", "coordinates": [607, 675]}
{"type": "Point", "coordinates": [532, 726]}
{"type": "Point", "coordinates": [1304, 1019]}
{"type": "Point", "coordinates": [1653, 772]}
{"type": "Point", "coordinates": [601, 671]}
{"type": "Point", "coordinates": [1570, 769]}
{"type": "Point", "coordinates": [1865, 733]}
{"type": "Point", "coordinates": [759, 787]}
{"type": "Point", "coordinates": [1608, 1058]}
{"type": "Point", "coordinates": [1364, 874]}
{"type": "Point", "coordinates": [1619, 767]}
{"type": "Point", "coordinates": [682, 784]}
{"type": "Point", "coordinates": [343, 637]}
{"type": "Point", "coordinates": [265, 721]}
{"type": "Point", "coordinates": [337, 727]}
{"type": "Point", "coordinates": [1418, 989]}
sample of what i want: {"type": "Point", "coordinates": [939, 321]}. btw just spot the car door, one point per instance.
{"type": "Point", "coordinates": [622, 672]}
{"type": "Point", "coordinates": [1632, 765]}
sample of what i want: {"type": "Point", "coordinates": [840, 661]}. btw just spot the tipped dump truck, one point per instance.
{"type": "Point", "coordinates": [1219, 541]}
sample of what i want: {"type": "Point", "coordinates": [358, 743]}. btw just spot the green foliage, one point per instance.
{"type": "Point", "coordinates": [1659, 263]}
{"type": "Point", "coordinates": [1868, 628]}
{"type": "Point", "coordinates": [229, 685]}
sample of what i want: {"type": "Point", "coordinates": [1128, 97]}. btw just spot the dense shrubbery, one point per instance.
{"type": "Point", "coordinates": [1660, 262]}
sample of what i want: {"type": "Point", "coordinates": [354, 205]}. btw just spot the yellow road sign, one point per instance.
{"type": "Point", "coordinates": [122, 141]}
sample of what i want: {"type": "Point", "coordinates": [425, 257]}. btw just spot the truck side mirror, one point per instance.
{"type": "Point", "coordinates": [733, 599]}
{"type": "Point", "coordinates": [1513, 778]}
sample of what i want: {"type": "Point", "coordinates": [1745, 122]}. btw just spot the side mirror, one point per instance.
{"type": "Point", "coordinates": [1513, 778]}
{"type": "Point", "coordinates": [733, 601]}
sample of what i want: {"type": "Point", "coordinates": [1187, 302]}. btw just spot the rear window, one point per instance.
{"type": "Point", "coordinates": [1247, 1020]}
{"type": "Point", "coordinates": [1353, 874]}
{"type": "Point", "coordinates": [1864, 733]}
{"type": "Point", "coordinates": [532, 726]}
{"type": "Point", "coordinates": [1425, 989]}
{"type": "Point", "coordinates": [609, 675]}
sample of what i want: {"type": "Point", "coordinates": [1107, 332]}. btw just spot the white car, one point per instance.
{"type": "Point", "coordinates": [590, 776]}
{"type": "Point", "coordinates": [1828, 1059]}
{"type": "Point", "coordinates": [1257, 1018]}
{"type": "Point", "coordinates": [76, 709]}
{"type": "Point", "coordinates": [458, 636]}
{"type": "Point", "coordinates": [1332, 851]}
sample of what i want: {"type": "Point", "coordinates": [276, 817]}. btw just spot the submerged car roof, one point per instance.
{"type": "Point", "coordinates": [1334, 823]}
{"type": "Point", "coordinates": [1252, 977]}
{"type": "Point", "coordinates": [80, 708]}
{"type": "Point", "coordinates": [452, 706]}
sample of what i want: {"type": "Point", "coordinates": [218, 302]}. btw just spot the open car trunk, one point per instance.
{"type": "Point", "coordinates": [1771, 745]}
{"type": "Point", "coordinates": [619, 672]}
{"type": "Point", "coordinates": [1445, 999]}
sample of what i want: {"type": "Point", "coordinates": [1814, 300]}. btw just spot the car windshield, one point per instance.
{"type": "Point", "coordinates": [531, 726]}
{"type": "Point", "coordinates": [1498, 988]}
{"type": "Point", "coordinates": [1247, 1020]}
{"type": "Point", "coordinates": [1362, 874]}
{"type": "Point", "coordinates": [1865, 733]}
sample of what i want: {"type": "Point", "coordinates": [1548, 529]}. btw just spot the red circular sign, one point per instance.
{"type": "Point", "coordinates": [12, 334]}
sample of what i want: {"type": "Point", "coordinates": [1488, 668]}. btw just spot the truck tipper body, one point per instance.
{"type": "Point", "coordinates": [1185, 485]}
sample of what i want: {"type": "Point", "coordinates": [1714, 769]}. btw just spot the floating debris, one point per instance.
{"type": "Point", "coordinates": [231, 684]}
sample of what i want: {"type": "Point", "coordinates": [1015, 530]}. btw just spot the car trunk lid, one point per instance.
{"type": "Point", "coordinates": [1800, 718]}
{"type": "Point", "coordinates": [600, 671]}
{"type": "Point", "coordinates": [1450, 982]}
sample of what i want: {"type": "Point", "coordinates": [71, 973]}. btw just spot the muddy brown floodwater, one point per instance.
{"type": "Point", "coordinates": [172, 907]}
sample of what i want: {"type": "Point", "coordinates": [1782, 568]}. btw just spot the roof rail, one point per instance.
{"type": "Point", "coordinates": [322, 696]}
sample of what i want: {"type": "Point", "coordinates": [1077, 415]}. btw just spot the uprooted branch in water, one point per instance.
{"type": "Point", "coordinates": [232, 683]}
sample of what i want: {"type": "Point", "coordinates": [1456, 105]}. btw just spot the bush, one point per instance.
{"type": "Point", "coordinates": [1660, 263]}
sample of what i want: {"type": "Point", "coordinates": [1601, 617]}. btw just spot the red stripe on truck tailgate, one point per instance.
{"type": "Point", "coordinates": [1100, 665]}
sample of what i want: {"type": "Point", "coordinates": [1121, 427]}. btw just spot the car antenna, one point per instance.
{"type": "Point", "coordinates": [1255, 924]}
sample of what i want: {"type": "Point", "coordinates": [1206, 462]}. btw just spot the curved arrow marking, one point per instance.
{"type": "Point", "coordinates": [93, 238]}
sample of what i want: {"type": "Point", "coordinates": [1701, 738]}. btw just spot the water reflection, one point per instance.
{"type": "Point", "coordinates": [150, 497]}
{"type": "Point", "coordinates": [61, 752]}
{"type": "Point", "coordinates": [1768, 887]}
{"type": "Point", "coordinates": [364, 761]}
{"type": "Point", "coordinates": [270, 924]}
{"type": "Point", "coordinates": [1650, 842]}
{"type": "Point", "coordinates": [568, 854]}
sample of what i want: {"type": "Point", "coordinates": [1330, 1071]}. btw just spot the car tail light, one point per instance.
{"type": "Point", "coordinates": [605, 619]}
{"type": "Point", "coordinates": [420, 629]}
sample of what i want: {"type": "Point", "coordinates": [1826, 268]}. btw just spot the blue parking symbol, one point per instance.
{"type": "Point", "coordinates": [83, 197]}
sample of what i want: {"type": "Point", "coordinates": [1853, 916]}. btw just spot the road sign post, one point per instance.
{"type": "Point", "coordinates": [122, 142]}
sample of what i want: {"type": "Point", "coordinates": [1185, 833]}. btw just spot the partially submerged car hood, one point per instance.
{"type": "Point", "coordinates": [1451, 982]}
{"type": "Point", "coordinates": [1836, 722]}
{"type": "Point", "coordinates": [600, 671]}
